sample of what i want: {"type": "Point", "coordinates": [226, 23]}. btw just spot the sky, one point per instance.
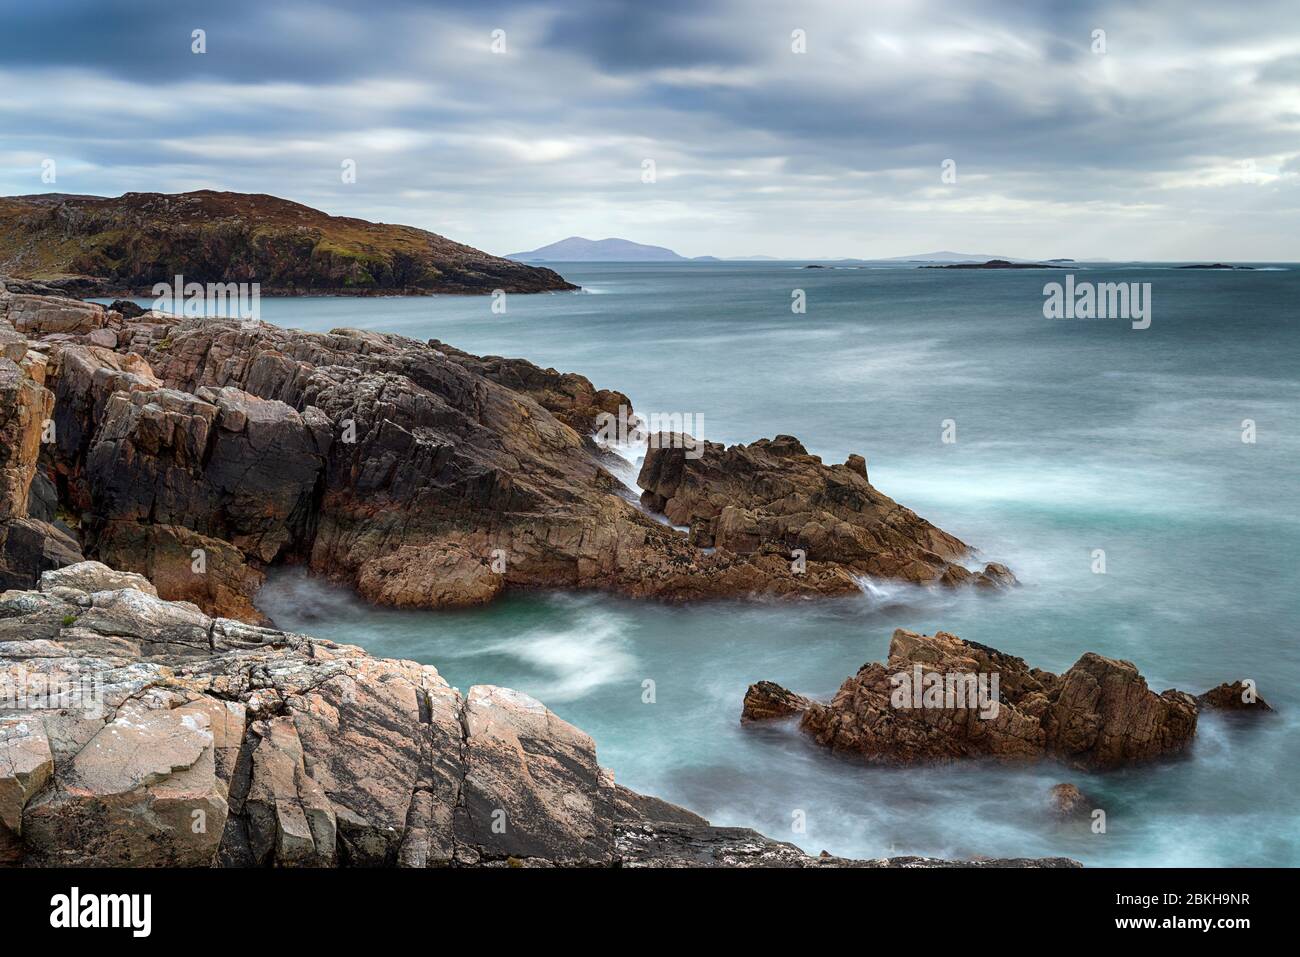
{"type": "Point", "coordinates": [902, 127]}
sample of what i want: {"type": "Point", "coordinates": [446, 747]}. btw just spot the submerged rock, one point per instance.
{"type": "Point", "coordinates": [1068, 801]}
{"type": "Point", "coordinates": [939, 698]}
{"type": "Point", "coordinates": [1237, 696]}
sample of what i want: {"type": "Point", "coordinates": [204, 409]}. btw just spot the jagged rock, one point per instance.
{"type": "Point", "coordinates": [161, 473]}
{"type": "Point", "coordinates": [436, 576]}
{"type": "Point", "coordinates": [290, 819]}
{"type": "Point", "coordinates": [425, 476]}
{"type": "Point", "coordinates": [92, 577]}
{"type": "Point", "coordinates": [155, 626]}
{"type": "Point", "coordinates": [41, 315]}
{"type": "Point", "coordinates": [144, 791]}
{"type": "Point", "coordinates": [25, 406]}
{"type": "Point", "coordinates": [237, 467]}
{"type": "Point", "coordinates": [25, 765]}
{"type": "Point", "coordinates": [939, 698]}
{"type": "Point", "coordinates": [28, 545]}
{"type": "Point", "coordinates": [185, 566]}
{"type": "Point", "coordinates": [570, 397]}
{"type": "Point", "coordinates": [532, 786]}
{"type": "Point", "coordinates": [772, 493]}
{"type": "Point", "coordinates": [766, 700]}
{"type": "Point", "coordinates": [1103, 715]}
{"type": "Point", "coordinates": [85, 378]}
{"type": "Point", "coordinates": [1236, 696]}
{"type": "Point", "coordinates": [43, 499]}
{"type": "Point", "coordinates": [214, 743]}
{"type": "Point", "coordinates": [13, 345]}
{"type": "Point", "coordinates": [126, 308]}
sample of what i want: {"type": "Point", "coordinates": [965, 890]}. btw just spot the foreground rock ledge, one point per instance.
{"type": "Point", "coordinates": [140, 732]}
{"type": "Point", "coordinates": [1099, 714]}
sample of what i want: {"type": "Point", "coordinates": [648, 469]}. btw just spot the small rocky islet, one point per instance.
{"type": "Point", "coordinates": [1099, 715]}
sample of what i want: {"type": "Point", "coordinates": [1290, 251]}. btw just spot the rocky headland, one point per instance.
{"type": "Point", "coordinates": [1098, 715]}
{"type": "Point", "coordinates": [105, 246]}
{"type": "Point", "coordinates": [200, 452]}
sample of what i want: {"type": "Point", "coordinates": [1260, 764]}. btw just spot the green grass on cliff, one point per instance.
{"type": "Point", "coordinates": [137, 239]}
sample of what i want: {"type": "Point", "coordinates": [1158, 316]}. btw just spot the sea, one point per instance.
{"type": "Point", "coordinates": [1142, 483]}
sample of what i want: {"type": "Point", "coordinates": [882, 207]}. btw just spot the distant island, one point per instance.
{"type": "Point", "coordinates": [1000, 264]}
{"type": "Point", "coordinates": [1215, 266]}
{"type": "Point", "coordinates": [97, 245]}
{"type": "Point", "coordinates": [578, 249]}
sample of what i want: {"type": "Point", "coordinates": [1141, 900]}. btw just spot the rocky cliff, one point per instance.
{"type": "Point", "coordinates": [198, 452]}
{"type": "Point", "coordinates": [30, 540]}
{"type": "Point", "coordinates": [1099, 714]}
{"type": "Point", "coordinates": [123, 245]}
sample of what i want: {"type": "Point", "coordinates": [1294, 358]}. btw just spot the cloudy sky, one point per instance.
{"type": "Point", "coordinates": [1180, 141]}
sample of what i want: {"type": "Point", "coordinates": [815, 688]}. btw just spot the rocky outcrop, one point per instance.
{"type": "Point", "coordinates": [766, 700]}
{"type": "Point", "coordinates": [569, 397]}
{"type": "Point", "coordinates": [1235, 696]}
{"type": "Point", "coordinates": [25, 407]}
{"type": "Point", "coordinates": [93, 245]}
{"type": "Point", "coordinates": [140, 732]}
{"type": "Point", "coordinates": [939, 698]}
{"type": "Point", "coordinates": [199, 452]}
{"type": "Point", "coordinates": [773, 496]}
{"type": "Point", "coordinates": [30, 542]}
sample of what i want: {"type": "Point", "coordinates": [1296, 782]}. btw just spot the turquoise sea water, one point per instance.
{"type": "Point", "coordinates": [1071, 436]}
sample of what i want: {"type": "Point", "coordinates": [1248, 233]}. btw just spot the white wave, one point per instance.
{"type": "Point", "coordinates": [885, 592]}
{"type": "Point", "coordinates": [573, 661]}
{"type": "Point", "coordinates": [626, 467]}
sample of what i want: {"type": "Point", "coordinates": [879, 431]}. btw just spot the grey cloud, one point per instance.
{"type": "Point", "coordinates": [751, 139]}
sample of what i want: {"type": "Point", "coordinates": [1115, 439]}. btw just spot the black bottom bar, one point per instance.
{"type": "Point", "coordinates": [266, 906]}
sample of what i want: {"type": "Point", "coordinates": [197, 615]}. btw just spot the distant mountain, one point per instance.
{"type": "Point", "coordinates": [127, 243]}
{"type": "Point", "coordinates": [578, 249]}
